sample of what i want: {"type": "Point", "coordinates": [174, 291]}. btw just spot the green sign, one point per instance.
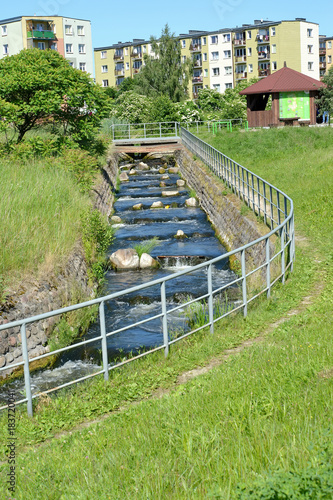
{"type": "Point", "coordinates": [294, 105]}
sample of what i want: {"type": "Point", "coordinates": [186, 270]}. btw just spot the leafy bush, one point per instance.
{"type": "Point", "coordinates": [187, 112]}
{"type": "Point", "coordinates": [97, 234]}
{"type": "Point", "coordinates": [131, 107]}
{"type": "Point", "coordinates": [81, 165]}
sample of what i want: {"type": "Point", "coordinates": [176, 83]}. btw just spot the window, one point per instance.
{"type": "Point", "coordinates": [82, 48]}
{"type": "Point", "coordinates": [71, 64]}
{"type": "Point", "coordinates": [228, 85]}
{"type": "Point", "coordinates": [127, 65]}
{"type": "Point", "coordinates": [215, 56]}
{"type": "Point", "coordinates": [183, 59]}
{"type": "Point", "coordinates": [103, 54]}
{"type": "Point", "coordinates": [274, 65]}
{"type": "Point", "coordinates": [310, 49]}
{"type": "Point", "coordinates": [4, 30]}
{"type": "Point", "coordinates": [249, 35]}
{"type": "Point", "coordinates": [249, 51]}
{"type": "Point", "coordinates": [310, 66]}
{"type": "Point", "coordinates": [250, 68]}
{"type": "Point", "coordinates": [216, 71]}
{"type": "Point", "coordinates": [204, 55]}
{"type": "Point", "coordinates": [228, 70]}
{"type": "Point", "coordinates": [41, 45]}
{"type": "Point", "coordinates": [105, 83]}
{"type": "Point", "coordinates": [144, 48]}
{"type": "Point", "coordinates": [137, 64]}
{"type": "Point", "coordinates": [69, 48]}
{"type": "Point", "coordinates": [68, 29]}
{"type": "Point", "coordinates": [126, 51]}
{"type": "Point", "coordinates": [54, 46]}
{"type": "Point", "coordinates": [309, 32]}
{"type": "Point", "coordinates": [214, 39]}
{"type": "Point", "coordinates": [329, 59]}
{"type": "Point", "coordinates": [80, 30]}
{"type": "Point", "coordinates": [183, 44]}
{"type": "Point", "coordinates": [329, 45]}
{"type": "Point", "coordinates": [217, 86]}
{"type": "Point", "coordinates": [105, 68]}
{"type": "Point", "coordinates": [274, 48]}
{"type": "Point", "coordinates": [227, 54]}
{"type": "Point", "coordinates": [205, 73]}
{"type": "Point", "coordinates": [226, 38]}
{"type": "Point", "coordinates": [5, 49]}
{"type": "Point", "coordinates": [82, 66]}
{"type": "Point", "coordinates": [204, 40]}
{"type": "Point", "coordinates": [273, 31]}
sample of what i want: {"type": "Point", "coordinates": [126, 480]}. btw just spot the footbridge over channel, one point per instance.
{"type": "Point", "coordinates": [147, 137]}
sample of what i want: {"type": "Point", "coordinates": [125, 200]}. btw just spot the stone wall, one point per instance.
{"type": "Point", "coordinates": [223, 209]}
{"type": "Point", "coordinates": [50, 292]}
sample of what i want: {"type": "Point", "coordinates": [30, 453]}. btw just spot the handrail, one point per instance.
{"type": "Point", "coordinates": [262, 197]}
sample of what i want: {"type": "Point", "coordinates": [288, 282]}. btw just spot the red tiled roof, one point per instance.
{"type": "Point", "coordinates": [283, 80]}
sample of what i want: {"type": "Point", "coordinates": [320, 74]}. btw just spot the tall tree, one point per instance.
{"type": "Point", "coordinates": [36, 85]}
{"type": "Point", "coordinates": [325, 100]}
{"type": "Point", "coordinates": [164, 73]}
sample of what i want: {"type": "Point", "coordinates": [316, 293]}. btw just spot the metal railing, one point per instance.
{"type": "Point", "coordinates": [154, 130]}
{"type": "Point", "coordinates": [264, 199]}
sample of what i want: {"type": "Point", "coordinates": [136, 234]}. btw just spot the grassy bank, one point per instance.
{"type": "Point", "coordinates": [255, 417]}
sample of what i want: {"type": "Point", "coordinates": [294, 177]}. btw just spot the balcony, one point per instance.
{"type": "Point", "coordinates": [42, 35]}
{"type": "Point", "coordinates": [322, 51]}
{"type": "Point", "coordinates": [263, 55]}
{"type": "Point", "coordinates": [198, 63]}
{"type": "Point", "coordinates": [239, 41]}
{"type": "Point", "coordinates": [240, 59]}
{"type": "Point", "coordinates": [322, 65]}
{"type": "Point", "coordinates": [118, 57]}
{"type": "Point", "coordinates": [136, 54]}
{"type": "Point", "coordinates": [195, 47]}
{"type": "Point", "coordinates": [241, 76]}
{"type": "Point", "coordinates": [136, 70]}
{"type": "Point", "coordinates": [119, 72]}
{"type": "Point", "coordinates": [264, 72]}
{"type": "Point", "coordinates": [262, 38]}
{"type": "Point", "coordinates": [197, 79]}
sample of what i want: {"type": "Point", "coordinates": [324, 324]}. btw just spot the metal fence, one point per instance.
{"type": "Point", "coordinates": [264, 199]}
{"type": "Point", "coordinates": [154, 130]}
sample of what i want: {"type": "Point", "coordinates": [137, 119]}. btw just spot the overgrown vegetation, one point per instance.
{"type": "Point", "coordinates": [259, 424]}
{"type": "Point", "coordinates": [146, 246]}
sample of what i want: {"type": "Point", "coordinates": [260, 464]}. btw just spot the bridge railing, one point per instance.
{"type": "Point", "coordinates": [152, 130]}
{"type": "Point", "coordinates": [264, 199]}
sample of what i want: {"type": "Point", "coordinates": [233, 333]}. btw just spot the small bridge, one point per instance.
{"type": "Point", "coordinates": [146, 137]}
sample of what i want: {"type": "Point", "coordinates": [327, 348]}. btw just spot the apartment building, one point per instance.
{"type": "Point", "coordinates": [70, 37]}
{"type": "Point", "coordinates": [119, 61]}
{"type": "Point", "coordinates": [325, 54]}
{"type": "Point", "coordinates": [261, 48]}
{"type": "Point", "coordinates": [224, 57]}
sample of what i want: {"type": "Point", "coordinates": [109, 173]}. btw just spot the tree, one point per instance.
{"type": "Point", "coordinates": [325, 100]}
{"type": "Point", "coordinates": [164, 73]}
{"type": "Point", "coordinates": [131, 107]}
{"type": "Point", "coordinates": [209, 100]}
{"type": "Point", "coordinates": [38, 85]}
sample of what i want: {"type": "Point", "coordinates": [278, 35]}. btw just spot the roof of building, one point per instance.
{"type": "Point", "coordinates": [283, 80]}
{"type": "Point", "coordinates": [38, 18]}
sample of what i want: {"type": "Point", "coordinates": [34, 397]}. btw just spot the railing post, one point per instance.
{"type": "Point", "coordinates": [283, 264]}
{"type": "Point", "coordinates": [265, 208]}
{"type": "Point", "coordinates": [271, 205]}
{"type": "Point", "coordinates": [244, 282]}
{"type": "Point", "coordinates": [268, 268]}
{"type": "Point", "coordinates": [164, 320]}
{"type": "Point", "coordinates": [210, 298]}
{"type": "Point", "coordinates": [144, 130]}
{"type": "Point", "coordinates": [160, 130]}
{"type": "Point", "coordinates": [129, 130]}
{"type": "Point", "coordinates": [27, 382]}
{"type": "Point", "coordinates": [104, 341]}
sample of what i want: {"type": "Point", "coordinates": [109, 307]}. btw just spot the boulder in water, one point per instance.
{"type": "Point", "coordinates": [180, 183]}
{"type": "Point", "coordinates": [157, 204]}
{"type": "Point", "coordinates": [132, 171]}
{"type": "Point", "coordinates": [123, 177]}
{"type": "Point", "coordinates": [147, 261]}
{"type": "Point", "coordinates": [173, 170]}
{"type": "Point", "coordinates": [180, 234]}
{"type": "Point", "coordinates": [170, 193]}
{"type": "Point", "coordinates": [161, 170]}
{"type": "Point", "coordinates": [125, 258]}
{"type": "Point", "coordinates": [115, 219]}
{"type": "Point", "coordinates": [164, 177]}
{"type": "Point", "coordinates": [138, 206]}
{"type": "Point", "coordinates": [143, 166]}
{"type": "Point", "coordinates": [191, 202]}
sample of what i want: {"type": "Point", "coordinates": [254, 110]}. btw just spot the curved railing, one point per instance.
{"type": "Point", "coordinates": [268, 202]}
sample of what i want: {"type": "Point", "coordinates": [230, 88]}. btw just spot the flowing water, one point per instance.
{"type": "Point", "coordinates": [173, 255]}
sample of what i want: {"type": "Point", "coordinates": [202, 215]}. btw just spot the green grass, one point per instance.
{"type": "Point", "coordinates": [146, 246]}
{"type": "Point", "coordinates": [264, 410]}
{"type": "Point", "coordinates": [39, 209]}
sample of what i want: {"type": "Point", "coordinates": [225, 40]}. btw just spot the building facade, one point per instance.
{"type": "Point", "coordinates": [225, 57]}
{"type": "Point", "coordinates": [70, 37]}
{"type": "Point", "coordinates": [325, 54]}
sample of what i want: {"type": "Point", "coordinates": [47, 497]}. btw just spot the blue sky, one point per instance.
{"type": "Point", "coordinates": [148, 17]}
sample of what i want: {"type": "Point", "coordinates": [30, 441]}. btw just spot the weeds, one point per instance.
{"type": "Point", "coordinates": [146, 246]}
